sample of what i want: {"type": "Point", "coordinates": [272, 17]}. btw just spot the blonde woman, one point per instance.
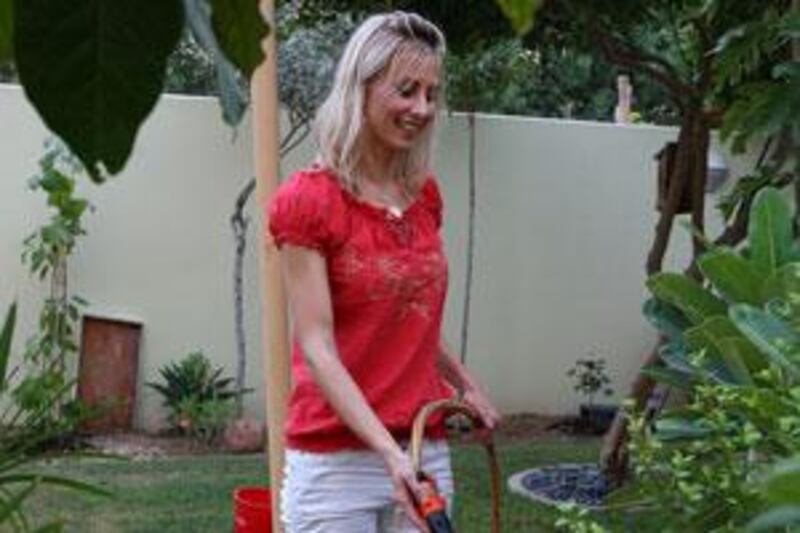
{"type": "Point", "coordinates": [366, 278]}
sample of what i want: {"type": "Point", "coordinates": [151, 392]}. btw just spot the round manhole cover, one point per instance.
{"type": "Point", "coordinates": [583, 484]}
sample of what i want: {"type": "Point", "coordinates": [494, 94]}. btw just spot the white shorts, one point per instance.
{"type": "Point", "coordinates": [350, 491]}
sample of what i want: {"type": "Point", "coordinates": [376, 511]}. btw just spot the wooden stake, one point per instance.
{"type": "Point", "coordinates": [274, 323]}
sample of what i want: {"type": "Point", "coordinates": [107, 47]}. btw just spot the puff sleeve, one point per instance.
{"type": "Point", "coordinates": [303, 212]}
{"type": "Point", "coordinates": [432, 199]}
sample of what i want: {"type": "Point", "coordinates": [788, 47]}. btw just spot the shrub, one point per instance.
{"type": "Point", "coordinates": [199, 399]}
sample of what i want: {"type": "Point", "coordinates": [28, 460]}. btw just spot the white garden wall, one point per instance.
{"type": "Point", "coordinates": [564, 221]}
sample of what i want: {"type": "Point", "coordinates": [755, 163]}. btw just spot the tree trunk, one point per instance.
{"type": "Point", "coordinates": [689, 170]}
{"type": "Point", "coordinates": [240, 223]}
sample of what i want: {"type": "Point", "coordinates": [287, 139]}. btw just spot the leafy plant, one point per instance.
{"type": "Point", "coordinates": [781, 489]}
{"type": "Point", "coordinates": [20, 439]}
{"type": "Point", "coordinates": [46, 253]}
{"type": "Point", "coordinates": [734, 348]}
{"type": "Point", "coordinates": [590, 378]}
{"type": "Point", "coordinates": [199, 399]}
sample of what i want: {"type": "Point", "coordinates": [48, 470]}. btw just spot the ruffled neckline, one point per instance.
{"type": "Point", "coordinates": [383, 211]}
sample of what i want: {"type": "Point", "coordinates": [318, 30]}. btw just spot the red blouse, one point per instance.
{"type": "Point", "coordinates": [388, 279]}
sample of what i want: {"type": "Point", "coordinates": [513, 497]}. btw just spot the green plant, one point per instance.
{"type": "Point", "coordinates": [733, 346]}
{"type": "Point", "coordinates": [781, 489]}
{"type": "Point", "coordinates": [590, 378]}
{"type": "Point", "coordinates": [46, 253]}
{"type": "Point", "coordinates": [20, 439]}
{"type": "Point", "coordinates": [199, 399]}
{"type": "Point", "coordinates": [204, 420]}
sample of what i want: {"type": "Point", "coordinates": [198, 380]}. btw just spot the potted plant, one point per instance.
{"type": "Point", "coordinates": [590, 380]}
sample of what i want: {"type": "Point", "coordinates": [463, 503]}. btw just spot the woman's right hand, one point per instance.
{"type": "Point", "coordinates": [406, 487]}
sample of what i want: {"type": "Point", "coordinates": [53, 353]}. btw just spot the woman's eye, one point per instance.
{"type": "Point", "coordinates": [406, 90]}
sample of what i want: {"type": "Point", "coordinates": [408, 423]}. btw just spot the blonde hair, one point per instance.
{"type": "Point", "coordinates": [369, 52]}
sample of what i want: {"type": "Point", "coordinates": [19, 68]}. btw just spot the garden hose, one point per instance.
{"type": "Point", "coordinates": [431, 505]}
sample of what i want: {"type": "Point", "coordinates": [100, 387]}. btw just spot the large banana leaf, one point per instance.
{"type": "Point", "coordinates": [669, 428]}
{"type": "Point", "coordinates": [784, 286]}
{"type": "Point", "coordinates": [770, 231]}
{"type": "Point", "coordinates": [772, 335]}
{"type": "Point", "coordinates": [736, 278]}
{"type": "Point", "coordinates": [687, 295]}
{"type": "Point", "coordinates": [731, 356]}
{"type": "Point", "coordinates": [666, 318]}
{"type": "Point", "coordinates": [676, 357]}
{"type": "Point", "coordinates": [669, 376]}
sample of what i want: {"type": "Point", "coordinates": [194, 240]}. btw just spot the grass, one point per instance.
{"type": "Point", "coordinates": [193, 493]}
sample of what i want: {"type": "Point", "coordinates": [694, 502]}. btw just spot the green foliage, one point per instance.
{"type": "Point", "coordinates": [198, 398]}
{"type": "Point", "coordinates": [590, 378]}
{"type": "Point", "coordinates": [755, 63]}
{"type": "Point", "coordinates": [520, 13]}
{"type": "Point", "coordinates": [770, 232]}
{"type": "Point", "coordinates": [781, 488]}
{"type": "Point", "coordinates": [240, 28]}
{"type": "Point", "coordinates": [190, 69]}
{"type": "Point", "coordinates": [739, 361]}
{"type": "Point", "coordinates": [113, 82]}
{"type": "Point", "coordinates": [208, 62]}
{"type": "Point", "coordinates": [46, 253]}
{"type": "Point", "coordinates": [21, 435]}
{"type": "Point", "coordinates": [94, 70]}
{"type": "Point", "coordinates": [6, 336]}
{"type": "Point", "coordinates": [47, 249]}
{"type": "Point", "coordinates": [6, 29]}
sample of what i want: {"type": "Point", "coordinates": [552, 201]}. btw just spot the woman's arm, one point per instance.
{"type": "Point", "coordinates": [306, 278]}
{"type": "Point", "coordinates": [459, 377]}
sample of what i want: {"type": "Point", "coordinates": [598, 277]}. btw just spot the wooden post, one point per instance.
{"type": "Point", "coordinates": [274, 324]}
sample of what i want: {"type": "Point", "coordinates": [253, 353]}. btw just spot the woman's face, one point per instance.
{"type": "Point", "coordinates": [401, 102]}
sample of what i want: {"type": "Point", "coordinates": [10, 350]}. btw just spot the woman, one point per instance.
{"type": "Point", "coordinates": [366, 279]}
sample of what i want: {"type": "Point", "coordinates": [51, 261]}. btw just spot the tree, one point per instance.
{"type": "Point", "coordinates": [698, 33]}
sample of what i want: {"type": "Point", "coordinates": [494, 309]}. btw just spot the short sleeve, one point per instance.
{"type": "Point", "coordinates": [432, 199]}
{"type": "Point", "coordinates": [302, 212]}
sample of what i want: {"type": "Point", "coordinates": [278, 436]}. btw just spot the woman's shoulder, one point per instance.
{"type": "Point", "coordinates": [431, 197]}
{"type": "Point", "coordinates": [306, 210]}
{"type": "Point", "coordinates": [312, 180]}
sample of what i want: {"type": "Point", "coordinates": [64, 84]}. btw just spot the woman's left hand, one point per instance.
{"type": "Point", "coordinates": [476, 399]}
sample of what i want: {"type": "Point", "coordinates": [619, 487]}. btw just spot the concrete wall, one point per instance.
{"type": "Point", "coordinates": [564, 220]}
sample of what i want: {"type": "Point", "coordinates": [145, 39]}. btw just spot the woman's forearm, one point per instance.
{"type": "Point", "coordinates": [344, 395]}
{"type": "Point", "coordinates": [457, 375]}
{"type": "Point", "coordinates": [453, 371]}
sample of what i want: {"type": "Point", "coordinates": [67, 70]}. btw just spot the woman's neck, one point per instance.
{"type": "Point", "coordinates": [380, 166]}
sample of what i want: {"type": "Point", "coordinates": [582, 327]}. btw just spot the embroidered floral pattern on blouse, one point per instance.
{"type": "Point", "coordinates": [413, 279]}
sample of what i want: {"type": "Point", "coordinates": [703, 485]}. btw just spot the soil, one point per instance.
{"type": "Point", "coordinates": [142, 446]}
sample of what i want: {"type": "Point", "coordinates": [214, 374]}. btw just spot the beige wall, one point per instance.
{"type": "Point", "coordinates": [564, 221]}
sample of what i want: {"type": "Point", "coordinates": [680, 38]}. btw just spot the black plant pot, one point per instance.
{"type": "Point", "coordinates": [597, 418]}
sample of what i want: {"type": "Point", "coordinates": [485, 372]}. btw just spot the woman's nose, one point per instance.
{"type": "Point", "coordinates": [422, 107]}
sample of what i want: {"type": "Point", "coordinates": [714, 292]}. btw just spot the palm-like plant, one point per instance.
{"type": "Point", "coordinates": [192, 381]}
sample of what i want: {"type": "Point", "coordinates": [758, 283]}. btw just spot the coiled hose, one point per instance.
{"type": "Point", "coordinates": [451, 406]}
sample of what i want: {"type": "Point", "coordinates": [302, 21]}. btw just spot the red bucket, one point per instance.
{"type": "Point", "coordinates": [252, 510]}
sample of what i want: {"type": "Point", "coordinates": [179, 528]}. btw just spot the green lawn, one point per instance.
{"type": "Point", "coordinates": [193, 494]}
